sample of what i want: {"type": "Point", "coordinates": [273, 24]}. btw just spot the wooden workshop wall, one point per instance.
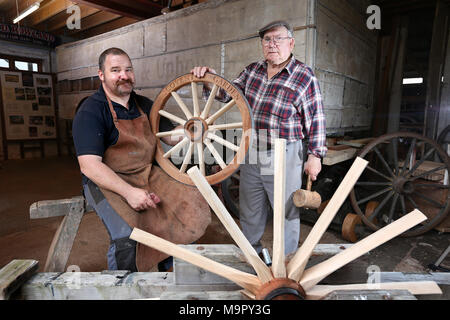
{"type": "Point", "coordinates": [223, 34]}
{"type": "Point", "coordinates": [346, 64]}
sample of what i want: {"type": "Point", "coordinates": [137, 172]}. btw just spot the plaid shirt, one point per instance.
{"type": "Point", "coordinates": [288, 106]}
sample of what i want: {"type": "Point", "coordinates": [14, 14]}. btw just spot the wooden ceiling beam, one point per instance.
{"type": "Point", "coordinates": [90, 22]}
{"type": "Point", "coordinates": [48, 11]}
{"type": "Point", "coordinates": [140, 12]}
{"type": "Point", "coordinates": [60, 20]}
{"type": "Point", "coordinates": [109, 26]}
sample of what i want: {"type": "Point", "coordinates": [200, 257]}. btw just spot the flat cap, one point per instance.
{"type": "Point", "coordinates": [278, 23]}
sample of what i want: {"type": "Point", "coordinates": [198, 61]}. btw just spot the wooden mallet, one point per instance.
{"type": "Point", "coordinates": [306, 198]}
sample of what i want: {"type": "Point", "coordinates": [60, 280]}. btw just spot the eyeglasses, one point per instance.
{"type": "Point", "coordinates": [276, 40]}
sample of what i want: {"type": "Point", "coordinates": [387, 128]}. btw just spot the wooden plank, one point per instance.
{"type": "Point", "coordinates": [54, 208]}
{"type": "Point", "coordinates": [278, 261]}
{"type": "Point", "coordinates": [62, 242]}
{"type": "Point", "coordinates": [315, 274]}
{"type": "Point", "coordinates": [358, 143]}
{"type": "Point", "coordinates": [428, 166]}
{"type": "Point", "coordinates": [297, 265]}
{"type": "Point", "coordinates": [14, 274]}
{"type": "Point", "coordinates": [245, 280]}
{"type": "Point", "coordinates": [370, 295]}
{"type": "Point", "coordinates": [202, 295]}
{"type": "Point", "coordinates": [230, 255]}
{"type": "Point", "coordinates": [264, 273]}
{"type": "Point", "coordinates": [438, 277]}
{"type": "Point", "coordinates": [416, 288]}
{"type": "Point", "coordinates": [337, 156]}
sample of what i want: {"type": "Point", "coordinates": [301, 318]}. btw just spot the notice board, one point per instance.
{"type": "Point", "coordinates": [28, 106]}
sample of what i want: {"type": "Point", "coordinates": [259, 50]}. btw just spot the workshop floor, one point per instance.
{"type": "Point", "coordinates": [23, 182]}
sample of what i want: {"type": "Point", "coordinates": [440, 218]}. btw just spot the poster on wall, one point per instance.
{"type": "Point", "coordinates": [28, 106]}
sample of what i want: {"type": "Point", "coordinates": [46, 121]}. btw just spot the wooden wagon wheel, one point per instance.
{"type": "Point", "coordinates": [406, 171]}
{"type": "Point", "coordinates": [201, 127]}
{"type": "Point", "coordinates": [291, 280]}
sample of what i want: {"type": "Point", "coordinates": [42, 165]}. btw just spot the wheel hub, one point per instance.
{"type": "Point", "coordinates": [403, 186]}
{"type": "Point", "coordinates": [195, 129]}
{"type": "Point", "coordinates": [281, 289]}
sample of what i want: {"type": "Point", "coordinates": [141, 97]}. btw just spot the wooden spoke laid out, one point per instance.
{"type": "Point", "coordinates": [278, 261]}
{"type": "Point", "coordinates": [297, 264]}
{"type": "Point", "coordinates": [315, 274]}
{"type": "Point", "coordinates": [406, 171]}
{"type": "Point", "coordinates": [245, 280]}
{"type": "Point", "coordinates": [203, 123]}
{"type": "Point", "coordinates": [293, 281]}
{"type": "Point", "coordinates": [214, 202]}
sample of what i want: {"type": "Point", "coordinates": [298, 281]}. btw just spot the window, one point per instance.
{"type": "Point", "coordinates": [4, 63]}
{"type": "Point", "coordinates": [20, 63]}
{"type": "Point", "coordinates": [26, 66]}
{"type": "Point", "coordinates": [412, 80]}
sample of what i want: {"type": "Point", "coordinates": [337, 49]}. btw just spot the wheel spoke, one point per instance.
{"type": "Point", "coordinates": [434, 202]}
{"type": "Point", "coordinates": [379, 193]}
{"type": "Point", "coordinates": [172, 117]}
{"type": "Point", "coordinates": [215, 154]}
{"type": "Point", "coordinates": [201, 160]}
{"type": "Point", "coordinates": [187, 158]}
{"type": "Point", "coordinates": [412, 201]}
{"type": "Point", "coordinates": [408, 155]}
{"type": "Point", "coordinates": [182, 105]}
{"type": "Point", "coordinates": [227, 126]}
{"type": "Point", "coordinates": [195, 99]}
{"type": "Point", "coordinates": [177, 147]}
{"type": "Point", "coordinates": [221, 111]}
{"type": "Point", "coordinates": [378, 173]}
{"type": "Point", "coordinates": [223, 142]}
{"type": "Point", "coordinates": [393, 205]}
{"type": "Point", "coordinates": [402, 203]}
{"type": "Point", "coordinates": [428, 172]}
{"type": "Point", "coordinates": [417, 165]}
{"type": "Point", "coordinates": [432, 185]}
{"type": "Point", "coordinates": [380, 206]}
{"type": "Point", "coordinates": [177, 132]}
{"type": "Point", "coordinates": [395, 151]}
{"type": "Point", "coordinates": [210, 101]}
{"type": "Point", "coordinates": [373, 184]}
{"type": "Point", "coordinates": [383, 161]}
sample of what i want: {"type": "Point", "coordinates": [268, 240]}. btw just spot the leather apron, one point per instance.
{"type": "Point", "coordinates": [183, 214]}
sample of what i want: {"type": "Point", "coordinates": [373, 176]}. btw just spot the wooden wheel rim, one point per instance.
{"type": "Point", "coordinates": [240, 102]}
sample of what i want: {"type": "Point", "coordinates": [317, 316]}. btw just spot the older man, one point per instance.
{"type": "Point", "coordinates": [286, 103]}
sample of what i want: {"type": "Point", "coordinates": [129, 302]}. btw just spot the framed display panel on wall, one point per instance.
{"type": "Point", "coordinates": [28, 107]}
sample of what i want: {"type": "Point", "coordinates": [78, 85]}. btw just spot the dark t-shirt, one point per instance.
{"type": "Point", "coordinates": [93, 127]}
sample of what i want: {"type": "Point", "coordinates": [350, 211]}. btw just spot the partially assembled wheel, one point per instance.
{"type": "Point", "coordinates": [217, 134]}
{"type": "Point", "coordinates": [406, 171]}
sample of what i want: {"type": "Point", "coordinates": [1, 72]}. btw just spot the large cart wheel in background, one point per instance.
{"type": "Point", "coordinates": [201, 128]}
{"type": "Point", "coordinates": [405, 171]}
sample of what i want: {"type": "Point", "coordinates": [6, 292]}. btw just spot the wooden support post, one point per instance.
{"type": "Point", "coordinates": [62, 242]}
{"type": "Point", "coordinates": [435, 69]}
{"type": "Point", "coordinates": [14, 274]}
